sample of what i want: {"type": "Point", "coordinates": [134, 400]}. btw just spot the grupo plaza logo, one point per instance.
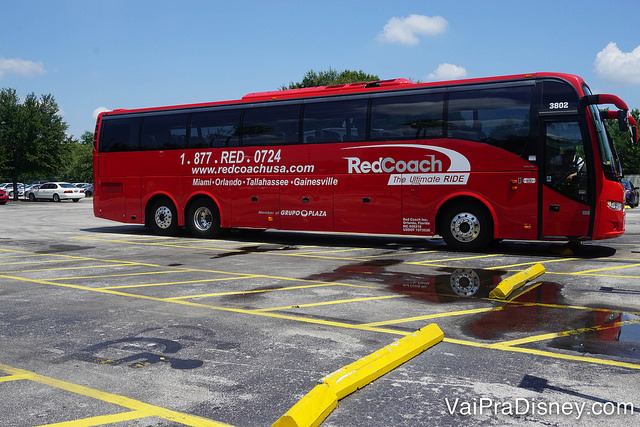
{"type": "Point", "coordinates": [437, 166]}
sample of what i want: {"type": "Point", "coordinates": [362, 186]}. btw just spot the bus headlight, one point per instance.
{"type": "Point", "coordinates": [616, 206]}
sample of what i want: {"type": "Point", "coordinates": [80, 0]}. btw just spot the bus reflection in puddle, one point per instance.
{"type": "Point", "coordinates": [443, 285]}
{"type": "Point", "coordinates": [537, 310]}
{"type": "Point", "coordinates": [541, 310]}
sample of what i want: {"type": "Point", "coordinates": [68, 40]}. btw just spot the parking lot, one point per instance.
{"type": "Point", "coordinates": [102, 323]}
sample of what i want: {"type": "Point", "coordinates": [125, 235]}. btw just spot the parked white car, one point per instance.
{"type": "Point", "coordinates": [56, 191]}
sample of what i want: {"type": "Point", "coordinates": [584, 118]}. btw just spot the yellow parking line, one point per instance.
{"type": "Point", "coordinates": [504, 267]}
{"type": "Point", "coordinates": [257, 291]}
{"type": "Point", "coordinates": [432, 316]}
{"type": "Point", "coordinates": [211, 307]}
{"type": "Point", "coordinates": [606, 268]}
{"type": "Point", "coordinates": [104, 276]}
{"type": "Point", "coordinates": [65, 268]}
{"type": "Point", "coordinates": [333, 250]}
{"type": "Point", "coordinates": [549, 354]}
{"type": "Point", "coordinates": [427, 262]}
{"type": "Point", "coordinates": [552, 335]}
{"type": "Point", "coordinates": [125, 402]}
{"type": "Point", "coordinates": [342, 301]}
{"type": "Point", "coordinates": [102, 419]}
{"type": "Point", "coordinates": [184, 282]}
{"type": "Point", "coordinates": [36, 261]}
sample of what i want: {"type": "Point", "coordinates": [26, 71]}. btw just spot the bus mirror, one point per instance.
{"type": "Point", "coordinates": [623, 120]}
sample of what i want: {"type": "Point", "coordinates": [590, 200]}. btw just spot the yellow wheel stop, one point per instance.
{"type": "Point", "coordinates": [512, 283]}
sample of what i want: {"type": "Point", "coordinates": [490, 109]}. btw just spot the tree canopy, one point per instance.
{"type": "Point", "coordinates": [331, 77]}
{"type": "Point", "coordinates": [628, 151]}
{"type": "Point", "coordinates": [31, 135]}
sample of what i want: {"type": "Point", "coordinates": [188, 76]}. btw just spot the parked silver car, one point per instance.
{"type": "Point", "coordinates": [56, 191]}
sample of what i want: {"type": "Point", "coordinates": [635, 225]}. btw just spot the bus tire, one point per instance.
{"type": "Point", "coordinates": [203, 219]}
{"type": "Point", "coordinates": [164, 218]}
{"type": "Point", "coordinates": [466, 226]}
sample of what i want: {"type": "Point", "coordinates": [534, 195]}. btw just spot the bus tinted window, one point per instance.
{"type": "Point", "coordinates": [407, 117]}
{"type": "Point", "coordinates": [335, 121]}
{"type": "Point", "coordinates": [164, 132]}
{"type": "Point", "coordinates": [271, 125]}
{"type": "Point", "coordinates": [119, 135]}
{"type": "Point", "coordinates": [215, 129]}
{"type": "Point", "coordinates": [500, 117]}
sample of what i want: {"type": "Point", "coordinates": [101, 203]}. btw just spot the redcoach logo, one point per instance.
{"type": "Point", "coordinates": [440, 166]}
{"type": "Point", "coordinates": [390, 165]}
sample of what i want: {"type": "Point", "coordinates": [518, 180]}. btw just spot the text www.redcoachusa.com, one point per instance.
{"type": "Point", "coordinates": [522, 406]}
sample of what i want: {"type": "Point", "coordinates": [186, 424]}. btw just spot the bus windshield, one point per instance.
{"type": "Point", "coordinates": [608, 154]}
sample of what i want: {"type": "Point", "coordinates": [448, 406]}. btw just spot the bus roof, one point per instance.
{"type": "Point", "coordinates": [349, 88]}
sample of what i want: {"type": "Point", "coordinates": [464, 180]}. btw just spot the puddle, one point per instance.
{"type": "Point", "coordinates": [440, 285]}
{"type": "Point", "coordinates": [607, 333]}
{"type": "Point", "coordinates": [541, 310]}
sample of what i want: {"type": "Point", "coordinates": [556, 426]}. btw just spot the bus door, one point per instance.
{"type": "Point", "coordinates": [566, 201]}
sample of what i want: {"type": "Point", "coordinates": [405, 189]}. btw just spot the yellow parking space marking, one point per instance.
{"type": "Point", "coordinates": [105, 276]}
{"type": "Point", "coordinates": [342, 301]}
{"type": "Point", "coordinates": [549, 261]}
{"type": "Point", "coordinates": [15, 377]}
{"type": "Point", "coordinates": [183, 282]}
{"type": "Point", "coordinates": [141, 409]}
{"type": "Point", "coordinates": [607, 268]}
{"type": "Point", "coordinates": [430, 262]}
{"type": "Point", "coordinates": [595, 360]}
{"type": "Point", "coordinates": [372, 327]}
{"type": "Point", "coordinates": [432, 316]}
{"type": "Point", "coordinates": [552, 335]}
{"type": "Point", "coordinates": [257, 291]}
{"type": "Point", "coordinates": [102, 419]}
{"type": "Point", "coordinates": [210, 307]}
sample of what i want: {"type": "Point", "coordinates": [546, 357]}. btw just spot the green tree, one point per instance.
{"type": "Point", "coordinates": [331, 77]}
{"type": "Point", "coordinates": [31, 135]}
{"type": "Point", "coordinates": [628, 150]}
{"type": "Point", "coordinates": [78, 159]}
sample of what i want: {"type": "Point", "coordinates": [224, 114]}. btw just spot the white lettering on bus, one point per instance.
{"type": "Point", "coordinates": [390, 165]}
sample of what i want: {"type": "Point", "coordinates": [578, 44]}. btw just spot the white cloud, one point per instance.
{"type": "Point", "coordinates": [20, 66]}
{"type": "Point", "coordinates": [613, 64]}
{"type": "Point", "coordinates": [406, 30]}
{"type": "Point", "coordinates": [447, 72]}
{"type": "Point", "coordinates": [99, 110]}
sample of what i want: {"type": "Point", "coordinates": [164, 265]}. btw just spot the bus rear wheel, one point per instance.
{"type": "Point", "coordinates": [466, 226]}
{"type": "Point", "coordinates": [164, 218]}
{"type": "Point", "coordinates": [203, 219]}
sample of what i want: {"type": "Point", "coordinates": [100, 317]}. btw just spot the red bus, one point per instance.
{"type": "Point", "coordinates": [522, 157]}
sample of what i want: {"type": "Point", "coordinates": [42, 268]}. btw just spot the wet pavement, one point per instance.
{"type": "Point", "coordinates": [108, 323]}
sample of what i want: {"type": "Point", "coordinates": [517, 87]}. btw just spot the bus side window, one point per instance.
{"type": "Point", "coordinates": [217, 128]}
{"type": "Point", "coordinates": [500, 117]}
{"type": "Point", "coordinates": [335, 121]}
{"type": "Point", "coordinates": [407, 117]}
{"type": "Point", "coordinates": [119, 135]}
{"type": "Point", "coordinates": [164, 132]}
{"type": "Point", "coordinates": [271, 125]}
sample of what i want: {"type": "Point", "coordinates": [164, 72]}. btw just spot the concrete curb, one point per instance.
{"type": "Point", "coordinates": [315, 406]}
{"type": "Point", "coordinates": [512, 283]}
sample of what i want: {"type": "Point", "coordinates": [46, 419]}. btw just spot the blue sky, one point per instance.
{"type": "Point", "coordinates": [93, 55]}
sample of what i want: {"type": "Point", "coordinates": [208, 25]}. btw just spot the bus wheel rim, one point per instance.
{"type": "Point", "coordinates": [163, 217]}
{"type": "Point", "coordinates": [465, 227]}
{"type": "Point", "coordinates": [202, 219]}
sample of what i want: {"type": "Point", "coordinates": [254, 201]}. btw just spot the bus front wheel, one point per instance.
{"type": "Point", "coordinates": [466, 226]}
{"type": "Point", "coordinates": [164, 218]}
{"type": "Point", "coordinates": [203, 219]}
